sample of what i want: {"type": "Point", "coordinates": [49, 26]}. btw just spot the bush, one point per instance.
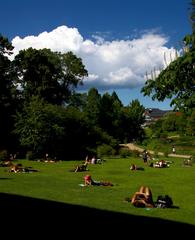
{"type": "Point", "coordinates": [124, 152]}
{"type": "Point", "coordinates": [135, 153]}
{"type": "Point", "coordinates": [105, 150]}
{"type": "Point", "coordinates": [155, 155]}
{"type": "Point", "coordinates": [3, 155]}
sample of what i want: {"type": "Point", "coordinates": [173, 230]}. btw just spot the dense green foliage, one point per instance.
{"type": "Point", "coordinates": [8, 100]}
{"type": "Point", "coordinates": [177, 80]}
{"type": "Point", "coordinates": [176, 129]}
{"type": "Point", "coordinates": [43, 113]}
{"type": "Point", "coordinates": [49, 75]}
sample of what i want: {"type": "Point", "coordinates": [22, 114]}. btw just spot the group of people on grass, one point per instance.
{"type": "Point", "coordinates": [147, 159]}
{"type": "Point", "coordinates": [15, 167]}
{"type": "Point", "coordinates": [142, 198]}
{"type": "Point", "coordinates": [93, 160]}
{"type": "Point", "coordinates": [160, 164]}
{"type": "Point", "coordinates": [83, 167]}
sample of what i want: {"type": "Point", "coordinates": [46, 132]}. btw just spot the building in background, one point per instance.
{"type": "Point", "coordinates": [153, 114]}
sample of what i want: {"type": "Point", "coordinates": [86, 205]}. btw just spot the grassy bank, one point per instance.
{"type": "Point", "coordinates": [56, 182]}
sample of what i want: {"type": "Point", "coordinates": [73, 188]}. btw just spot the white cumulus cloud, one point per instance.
{"type": "Point", "coordinates": [110, 64]}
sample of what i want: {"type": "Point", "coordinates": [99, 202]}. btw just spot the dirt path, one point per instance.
{"type": "Point", "coordinates": [132, 146]}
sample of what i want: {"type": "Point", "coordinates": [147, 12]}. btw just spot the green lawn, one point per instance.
{"type": "Point", "coordinates": [55, 182]}
{"type": "Point", "coordinates": [184, 145]}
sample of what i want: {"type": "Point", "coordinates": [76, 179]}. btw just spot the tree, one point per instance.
{"type": "Point", "coordinates": [78, 100]}
{"type": "Point", "coordinates": [133, 120]}
{"type": "Point", "coordinates": [5, 46]}
{"type": "Point", "coordinates": [31, 125]}
{"type": "Point", "coordinates": [73, 72]}
{"type": "Point", "coordinates": [177, 80]}
{"type": "Point", "coordinates": [63, 132]}
{"type": "Point", "coordinates": [110, 109]}
{"type": "Point", "coordinates": [50, 75]}
{"type": "Point", "coordinates": [7, 93]}
{"type": "Point", "coordinates": [92, 107]}
{"type": "Point", "coordinates": [192, 18]}
{"type": "Point", "coordinates": [190, 129]}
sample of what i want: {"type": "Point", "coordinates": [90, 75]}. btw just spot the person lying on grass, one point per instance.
{"type": "Point", "coordinates": [142, 198]}
{"type": "Point", "coordinates": [160, 164]}
{"type": "Point", "coordinates": [89, 181]}
{"type": "Point", "coordinates": [135, 167]}
{"type": "Point", "coordinates": [19, 168]}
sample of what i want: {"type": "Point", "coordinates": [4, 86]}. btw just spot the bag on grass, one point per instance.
{"type": "Point", "coordinates": [164, 201]}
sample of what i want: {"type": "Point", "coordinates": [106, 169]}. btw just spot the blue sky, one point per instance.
{"type": "Point", "coordinates": [118, 40]}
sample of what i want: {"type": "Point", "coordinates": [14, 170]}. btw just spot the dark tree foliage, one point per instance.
{"type": "Point", "coordinates": [177, 80]}
{"type": "Point", "coordinates": [92, 106]}
{"type": "Point", "coordinates": [41, 111]}
{"type": "Point", "coordinates": [133, 120]}
{"type": "Point", "coordinates": [5, 46]}
{"type": "Point", "coordinates": [47, 128]}
{"type": "Point", "coordinates": [7, 94]}
{"type": "Point", "coordinates": [49, 75]}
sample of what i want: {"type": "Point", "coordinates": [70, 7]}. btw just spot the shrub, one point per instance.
{"type": "Point", "coordinates": [105, 150]}
{"type": "Point", "coordinates": [124, 152]}
{"type": "Point", "coordinates": [135, 153]}
{"type": "Point", "coordinates": [3, 155]}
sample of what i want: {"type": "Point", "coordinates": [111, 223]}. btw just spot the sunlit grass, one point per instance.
{"type": "Point", "coordinates": [55, 181]}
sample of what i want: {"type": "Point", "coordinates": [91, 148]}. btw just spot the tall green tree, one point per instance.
{"type": "Point", "coordinates": [5, 46]}
{"type": "Point", "coordinates": [50, 75]}
{"type": "Point", "coordinates": [133, 120]}
{"type": "Point", "coordinates": [7, 93]}
{"type": "Point", "coordinates": [108, 113]}
{"type": "Point", "coordinates": [72, 72]}
{"type": "Point", "coordinates": [31, 125]}
{"type": "Point", "coordinates": [92, 107]}
{"type": "Point", "coordinates": [177, 80]}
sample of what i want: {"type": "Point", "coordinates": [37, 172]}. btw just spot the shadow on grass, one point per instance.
{"type": "Point", "coordinates": [39, 215]}
{"type": "Point", "coordinates": [4, 178]}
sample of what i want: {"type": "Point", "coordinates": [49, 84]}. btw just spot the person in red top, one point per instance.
{"type": "Point", "coordinates": [87, 180]}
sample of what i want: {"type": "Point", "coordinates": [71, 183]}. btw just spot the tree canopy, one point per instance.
{"type": "Point", "coordinates": [42, 112]}
{"type": "Point", "coordinates": [50, 75]}
{"type": "Point", "coordinates": [177, 80]}
{"type": "Point", "coordinates": [7, 92]}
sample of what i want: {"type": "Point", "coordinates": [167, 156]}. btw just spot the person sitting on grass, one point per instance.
{"type": "Point", "coordinates": [89, 181]}
{"type": "Point", "coordinates": [81, 168]}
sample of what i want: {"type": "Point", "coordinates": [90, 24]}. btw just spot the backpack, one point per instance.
{"type": "Point", "coordinates": [164, 201]}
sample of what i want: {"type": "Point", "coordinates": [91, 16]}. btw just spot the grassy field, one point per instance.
{"type": "Point", "coordinates": [183, 144]}
{"type": "Point", "coordinates": [56, 183]}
